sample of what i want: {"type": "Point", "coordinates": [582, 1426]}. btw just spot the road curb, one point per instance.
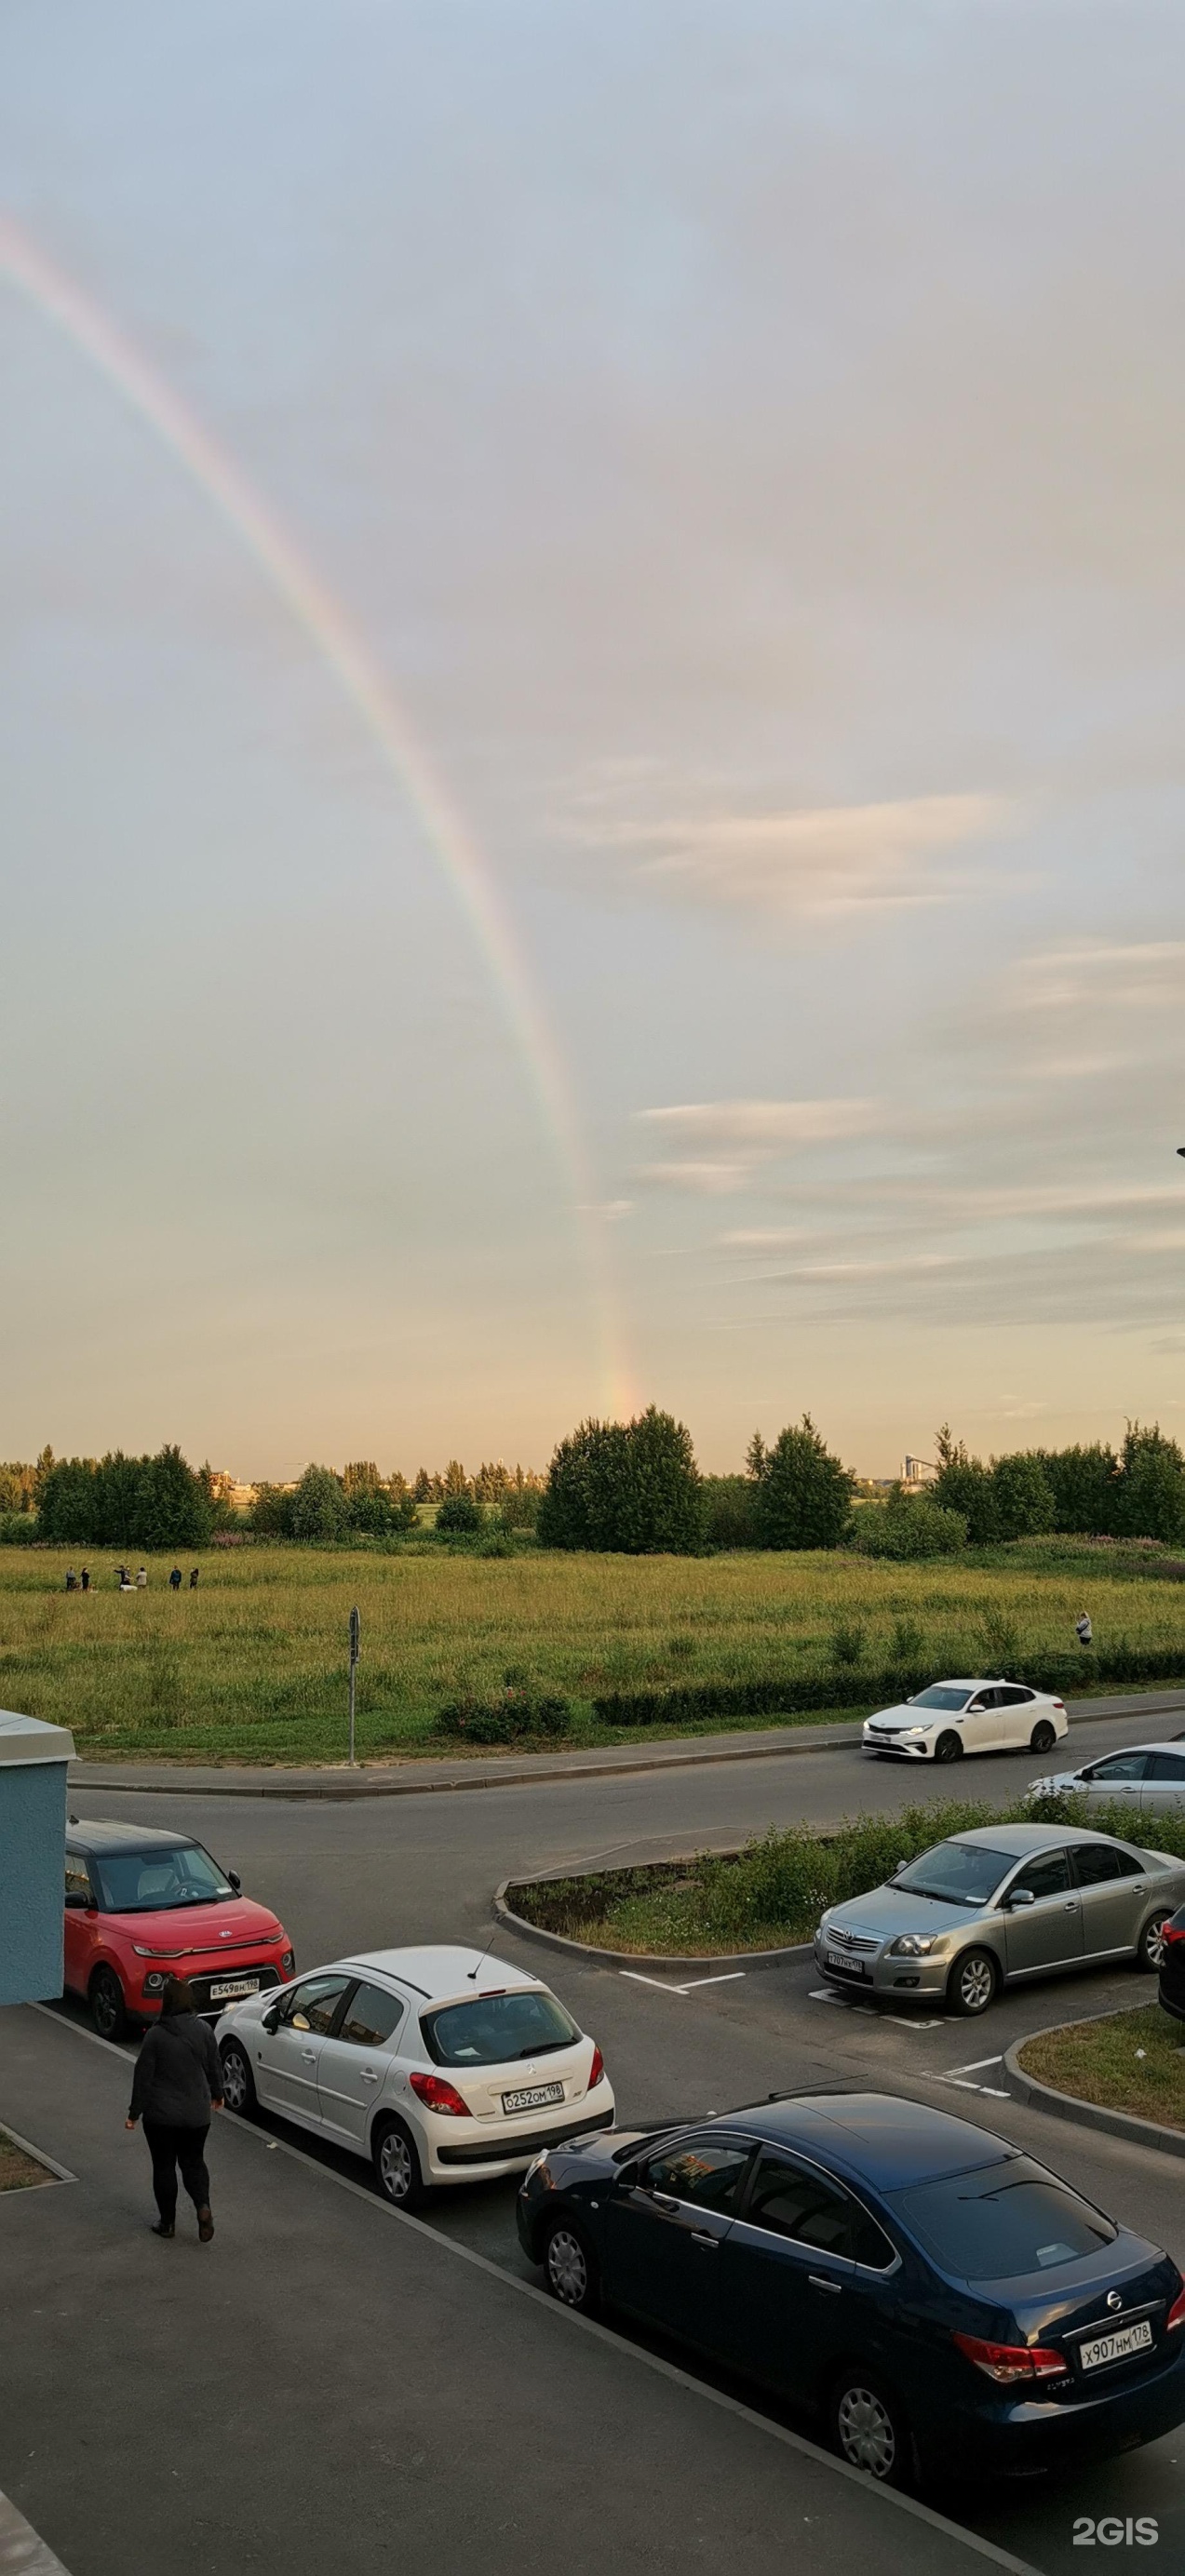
{"type": "Point", "coordinates": [667, 1754]}
{"type": "Point", "coordinates": [1091, 2115]}
{"type": "Point", "coordinates": [639, 1959]}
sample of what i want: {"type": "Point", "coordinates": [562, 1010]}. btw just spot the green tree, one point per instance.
{"type": "Point", "coordinates": [173, 1509]}
{"type": "Point", "coordinates": [1151, 1497]}
{"type": "Point", "coordinates": [361, 1477]}
{"type": "Point", "coordinates": [320, 1505]}
{"type": "Point", "coordinates": [731, 1513]}
{"type": "Point", "coordinates": [804, 1493]}
{"type": "Point", "coordinates": [1024, 1500]}
{"type": "Point", "coordinates": [459, 1516]}
{"type": "Point", "coordinates": [632, 1487]}
{"type": "Point", "coordinates": [1084, 1483]}
{"type": "Point", "coordinates": [455, 1480]}
{"type": "Point", "coordinates": [422, 1488]}
{"type": "Point", "coordinates": [67, 1508]}
{"type": "Point", "coordinates": [908, 1528]}
{"type": "Point", "coordinates": [271, 1511]}
{"type": "Point", "coordinates": [121, 1503]}
{"type": "Point", "coordinates": [965, 1485]}
{"type": "Point", "coordinates": [756, 1455]}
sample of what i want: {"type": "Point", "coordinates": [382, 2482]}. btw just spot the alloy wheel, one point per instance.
{"type": "Point", "coordinates": [396, 2168]}
{"type": "Point", "coordinates": [1043, 1738]}
{"type": "Point", "coordinates": [237, 2087]}
{"type": "Point", "coordinates": [567, 2267]}
{"type": "Point", "coordinates": [975, 1983]}
{"type": "Point", "coordinates": [866, 2432]}
{"type": "Point", "coordinates": [1152, 1944]}
{"type": "Point", "coordinates": [107, 2006]}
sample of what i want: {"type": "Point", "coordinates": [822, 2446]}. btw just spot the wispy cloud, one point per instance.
{"type": "Point", "coordinates": [826, 860]}
{"type": "Point", "coordinates": [706, 1180]}
{"type": "Point", "coordinates": [1147, 975]}
{"type": "Point", "coordinates": [762, 1126]}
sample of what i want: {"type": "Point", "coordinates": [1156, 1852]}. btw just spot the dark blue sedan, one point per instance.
{"type": "Point", "coordinates": [942, 2302]}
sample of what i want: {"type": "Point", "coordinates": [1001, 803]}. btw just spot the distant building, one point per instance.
{"type": "Point", "coordinates": [227, 1489]}
{"type": "Point", "coordinates": [917, 1472]}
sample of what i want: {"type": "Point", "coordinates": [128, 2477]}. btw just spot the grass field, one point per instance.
{"type": "Point", "coordinates": [1131, 2061]}
{"type": "Point", "coordinates": [252, 1666]}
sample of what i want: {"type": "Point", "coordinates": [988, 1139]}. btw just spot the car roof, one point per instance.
{"type": "Point", "coordinates": [443, 1973]}
{"type": "Point", "coordinates": [878, 2138]}
{"type": "Point", "coordinates": [1017, 1841]}
{"type": "Point", "coordinates": [1165, 1744]}
{"type": "Point", "coordinates": [86, 1836]}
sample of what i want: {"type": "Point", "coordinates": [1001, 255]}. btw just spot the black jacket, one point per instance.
{"type": "Point", "coordinates": [178, 2073]}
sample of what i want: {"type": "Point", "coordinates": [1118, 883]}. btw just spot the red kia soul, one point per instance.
{"type": "Point", "coordinates": [142, 1906]}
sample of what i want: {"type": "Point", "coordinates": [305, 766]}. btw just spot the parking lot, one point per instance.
{"type": "Point", "coordinates": [682, 2045]}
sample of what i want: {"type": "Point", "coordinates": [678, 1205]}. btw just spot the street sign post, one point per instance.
{"type": "Point", "coordinates": [355, 1635]}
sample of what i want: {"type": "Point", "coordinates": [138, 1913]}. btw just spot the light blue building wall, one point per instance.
{"type": "Point", "coordinates": [33, 1759]}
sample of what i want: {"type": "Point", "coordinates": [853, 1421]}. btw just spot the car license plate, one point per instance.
{"type": "Point", "coordinates": [851, 1967]}
{"type": "Point", "coordinates": [532, 2097]}
{"type": "Point", "coordinates": [1115, 2347]}
{"type": "Point", "coordinates": [222, 1994]}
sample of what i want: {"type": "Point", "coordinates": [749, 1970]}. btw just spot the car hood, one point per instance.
{"type": "Point", "coordinates": [902, 1715]}
{"type": "Point", "coordinates": [181, 1930]}
{"type": "Point", "coordinates": [889, 1910]}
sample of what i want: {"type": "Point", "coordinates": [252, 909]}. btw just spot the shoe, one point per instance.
{"type": "Point", "coordinates": [205, 2226]}
{"type": "Point", "coordinates": [163, 2227]}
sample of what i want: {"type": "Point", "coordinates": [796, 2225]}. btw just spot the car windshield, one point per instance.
{"type": "Point", "coordinates": [941, 1695]}
{"type": "Point", "coordinates": [494, 2029]}
{"type": "Point", "coordinates": [1006, 2220]}
{"type": "Point", "coordinates": [958, 1873]}
{"type": "Point", "coordinates": [149, 1882]}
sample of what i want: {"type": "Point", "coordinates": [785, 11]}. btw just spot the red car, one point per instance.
{"type": "Point", "coordinates": [142, 1906]}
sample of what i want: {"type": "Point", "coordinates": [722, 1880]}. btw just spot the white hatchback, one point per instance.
{"type": "Point", "coordinates": [957, 1717]}
{"type": "Point", "coordinates": [440, 2065]}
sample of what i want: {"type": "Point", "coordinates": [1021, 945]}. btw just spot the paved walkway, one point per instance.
{"type": "Point", "coordinates": [409, 1778]}
{"type": "Point", "coordinates": [329, 2386]}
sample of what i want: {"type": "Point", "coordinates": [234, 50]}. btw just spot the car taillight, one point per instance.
{"type": "Point", "coordinates": [436, 2095]}
{"type": "Point", "coordinates": [1007, 2361]}
{"type": "Point", "coordinates": [597, 2069]}
{"type": "Point", "coordinates": [1176, 2314]}
{"type": "Point", "coordinates": [1171, 1933]}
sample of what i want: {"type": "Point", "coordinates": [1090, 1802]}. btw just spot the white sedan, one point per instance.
{"type": "Point", "coordinates": [440, 2065]}
{"type": "Point", "coordinates": [1148, 1776]}
{"type": "Point", "coordinates": [957, 1717]}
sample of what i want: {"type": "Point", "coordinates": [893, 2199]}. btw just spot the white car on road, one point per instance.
{"type": "Point", "coordinates": [440, 2065]}
{"type": "Point", "coordinates": [957, 1717]}
{"type": "Point", "coordinates": [1148, 1776]}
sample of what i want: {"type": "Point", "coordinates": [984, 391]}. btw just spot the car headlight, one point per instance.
{"type": "Point", "coordinates": [913, 1945]}
{"type": "Point", "coordinates": [540, 2168]}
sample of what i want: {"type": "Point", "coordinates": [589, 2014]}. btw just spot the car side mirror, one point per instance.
{"type": "Point", "coordinates": [1021, 1896]}
{"type": "Point", "coordinates": [235, 1881]}
{"type": "Point", "coordinates": [271, 2018]}
{"type": "Point", "coordinates": [77, 1901]}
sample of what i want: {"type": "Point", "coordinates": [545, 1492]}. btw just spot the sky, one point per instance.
{"type": "Point", "coordinates": [590, 728]}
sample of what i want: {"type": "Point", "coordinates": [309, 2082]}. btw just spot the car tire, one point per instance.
{"type": "Point", "coordinates": [972, 1984]}
{"type": "Point", "coordinates": [1043, 1737]}
{"type": "Point", "coordinates": [397, 2169]}
{"type": "Point", "coordinates": [869, 2428]}
{"type": "Point", "coordinates": [570, 2268]}
{"type": "Point", "coordinates": [108, 2011]}
{"type": "Point", "coordinates": [949, 1747]}
{"type": "Point", "coordinates": [238, 2082]}
{"type": "Point", "coordinates": [1150, 1946]}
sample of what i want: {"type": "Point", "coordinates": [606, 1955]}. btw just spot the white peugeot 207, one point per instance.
{"type": "Point", "coordinates": [952, 1718]}
{"type": "Point", "coordinates": [441, 2065]}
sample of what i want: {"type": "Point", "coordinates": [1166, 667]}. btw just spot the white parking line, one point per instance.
{"type": "Point", "coordinates": [637, 1979]}
{"type": "Point", "coordinates": [976, 2067]}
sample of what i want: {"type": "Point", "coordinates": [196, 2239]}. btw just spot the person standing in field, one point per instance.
{"type": "Point", "coordinates": [1083, 1630]}
{"type": "Point", "coordinates": [85, 1578]}
{"type": "Point", "coordinates": [142, 1579]}
{"type": "Point", "coordinates": [71, 1579]}
{"type": "Point", "coordinates": [177, 2083]}
{"type": "Point", "coordinates": [193, 1580]}
{"type": "Point", "coordinates": [175, 1579]}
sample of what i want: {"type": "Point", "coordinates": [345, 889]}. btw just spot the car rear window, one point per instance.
{"type": "Point", "coordinates": [1006, 2220]}
{"type": "Point", "coordinates": [148, 1882]}
{"type": "Point", "coordinates": [962, 1873]}
{"type": "Point", "coordinates": [940, 1695]}
{"type": "Point", "coordinates": [495, 2029]}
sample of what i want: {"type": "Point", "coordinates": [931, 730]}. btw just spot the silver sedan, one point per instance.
{"type": "Point", "coordinates": [996, 1907]}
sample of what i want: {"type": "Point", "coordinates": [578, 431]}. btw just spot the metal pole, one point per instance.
{"type": "Point", "coordinates": [355, 1628]}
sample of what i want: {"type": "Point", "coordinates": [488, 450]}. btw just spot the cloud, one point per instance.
{"type": "Point", "coordinates": [611, 1211]}
{"type": "Point", "coordinates": [761, 1126]}
{"type": "Point", "coordinates": [709, 1180]}
{"type": "Point", "coordinates": [829, 860]}
{"type": "Point", "coordinates": [1147, 975]}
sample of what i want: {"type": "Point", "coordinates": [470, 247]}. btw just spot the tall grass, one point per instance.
{"type": "Point", "coordinates": [253, 1665]}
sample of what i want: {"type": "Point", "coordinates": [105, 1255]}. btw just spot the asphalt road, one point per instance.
{"type": "Point", "coordinates": [390, 1871]}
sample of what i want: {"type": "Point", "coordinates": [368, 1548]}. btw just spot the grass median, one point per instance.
{"type": "Point", "coordinates": [1128, 2061]}
{"type": "Point", "coordinates": [18, 2171]}
{"type": "Point", "coordinates": [771, 1895]}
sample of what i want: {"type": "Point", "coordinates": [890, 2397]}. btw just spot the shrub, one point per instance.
{"type": "Point", "coordinates": [632, 1487]}
{"type": "Point", "coordinates": [847, 1643]}
{"type": "Point", "coordinates": [908, 1528]}
{"type": "Point", "coordinates": [965, 1485]}
{"type": "Point", "coordinates": [731, 1516]}
{"type": "Point", "coordinates": [1084, 1485]}
{"type": "Point", "coordinates": [803, 1492]}
{"type": "Point", "coordinates": [1024, 1500]}
{"type": "Point", "coordinates": [458, 1516]}
{"type": "Point", "coordinates": [516, 1714]}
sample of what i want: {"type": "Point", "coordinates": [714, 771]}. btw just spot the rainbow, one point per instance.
{"type": "Point", "coordinates": [344, 650]}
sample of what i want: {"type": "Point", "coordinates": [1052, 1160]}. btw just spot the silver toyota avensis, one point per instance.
{"type": "Point", "coordinates": [996, 1907]}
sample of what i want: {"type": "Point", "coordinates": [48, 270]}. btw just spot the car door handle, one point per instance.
{"type": "Point", "coordinates": [819, 2282]}
{"type": "Point", "coordinates": [1071, 1905]}
{"type": "Point", "coordinates": [308, 2056]}
{"type": "Point", "coordinates": [700, 2236]}
{"type": "Point", "coordinates": [369, 2076]}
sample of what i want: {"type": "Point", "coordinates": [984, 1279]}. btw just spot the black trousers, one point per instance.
{"type": "Point", "coordinates": [170, 2147]}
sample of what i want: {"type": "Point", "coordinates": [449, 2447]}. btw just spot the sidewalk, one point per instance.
{"type": "Point", "coordinates": [330, 2387]}
{"type": "Point", "coordinates": [410, 1778]}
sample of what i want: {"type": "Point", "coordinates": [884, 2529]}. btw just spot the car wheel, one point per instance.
{"type": "Point", "coordinates": [1043, 1737]}
{"type": "Point", "coordinates": [570, 2269]}
{"type": "Point", "coordinates": [397, 2166]}
{"type": "Point", "coordinates": [971, 1986]}
{"type": "Point", "coordinates": [949, 1747]}
{"type": "Point", "coordinates": [1150, 1946]}
{"type": "Point", "coordinates": [869, 2429]}
{"type": "Point", "coordinates": [238, 2082]}
{"type": "Point", "coordinates": [109, 2013]}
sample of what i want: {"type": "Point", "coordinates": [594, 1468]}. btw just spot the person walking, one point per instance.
{"type": "Point", "coordinates": [85, 1578]}
{"type": "Point", "coordinates": [175, 1579]}
{"type": "Point", "coordinates": [142, 1579]}
{"type": "Point", "coordinates": [193, 1580]}
{"type": "Point", "coordinates": [177, 2083]}
{"type": "Point", "coordinates": [1083, 1629]}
